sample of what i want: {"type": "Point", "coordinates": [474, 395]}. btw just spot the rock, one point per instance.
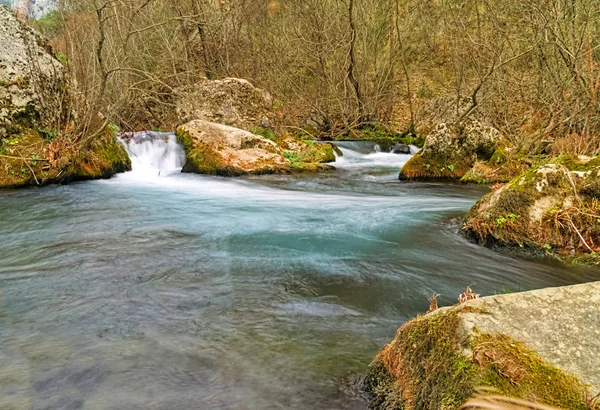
{"type": "Point", "coordinates": [401, 149]}
{"type": "Point", "coordinates": [227, 151]}
{"type": "Point", "coordinates": [308, 152]}
{"type": "Point", "coordinates": [223, 150]}
{"type": "Point", "coordinates": [550, 209]}
{"type": "Point", "coordinates": [232, 101]}
{"type": "Point", "coordinates": [449, 153]}
{"type": "Point", "coordinates": [542, 345]}
{"type": "Point", "coordinates": [33, 87]}
{"type": "Point", "coordinates": [37, 138]}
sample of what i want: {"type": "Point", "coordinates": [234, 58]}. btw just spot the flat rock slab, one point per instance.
{"type": "Point", "coordinates": [561, 324]}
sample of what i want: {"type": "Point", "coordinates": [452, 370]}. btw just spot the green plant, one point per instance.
{"type": "Point", "coordinates": [293, 158]}
{"type": "Point", "coordinates": [34, 159]}
{"type": "Point", "coordinates": [264, 132]}
{"type": "Point", "coordinates": [48, 134]}
{"type": "Point", "coordinates": [428, 166]}
{"type": "Point", "coordinates": [451, 167]}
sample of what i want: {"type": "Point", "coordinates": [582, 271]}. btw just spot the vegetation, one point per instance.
{"type": "Point", "coordinates": [340, 66]}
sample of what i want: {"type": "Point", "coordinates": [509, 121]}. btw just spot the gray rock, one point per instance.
{"type": "Point", "coordinates": [561, 324]}
{"type": "Point", "coordinates": [32, 82]}
{"type": "Point", "coordinates": [401, 149]}
{"type": "Point", "coordinates": [232, 101]}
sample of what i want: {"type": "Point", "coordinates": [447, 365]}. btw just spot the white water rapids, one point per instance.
{"type": "Point", "coordinates": [158, 154]}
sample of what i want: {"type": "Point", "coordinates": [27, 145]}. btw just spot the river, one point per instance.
{"type": "Point", "coordinates": [159, 290]}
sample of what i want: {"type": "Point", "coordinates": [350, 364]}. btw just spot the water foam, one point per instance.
{"type": "Point", "coordinates": [153, 154]}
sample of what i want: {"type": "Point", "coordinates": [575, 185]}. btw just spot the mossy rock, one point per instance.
{"type": "Point", "coordinates": [434, 364]}
{"type": "Point", "coordinates": [451, 150]}
{"type": "Point", "coordinates": [433, 169]}
{"type": "Point", "coordinates": [548, 210]}
{"type": "Point", "coordinates": [307, 155]}
{"type": "Point", "coordinates": [25, 159]}
{"type": "Point", "coordinates": [216, 149]}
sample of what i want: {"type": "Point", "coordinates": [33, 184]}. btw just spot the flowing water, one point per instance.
{"type": "Point", "coordinates": [158, 290]}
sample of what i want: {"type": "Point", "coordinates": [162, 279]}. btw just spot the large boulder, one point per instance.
{"type": "Point", "coordinates": [541, 346]}
{"type": "Point", "coordinates": [232, 101]}
{"type": "Point", "coordinates": [218, 149]}
{"type": "Point", "coordinates": [33, 86]}
{"type": "Point", "coordinates": [450, 151]}
{"type": "Point", "coordinates": [550, 209]}
{"type": "Point", "coordinates": [38, 139]}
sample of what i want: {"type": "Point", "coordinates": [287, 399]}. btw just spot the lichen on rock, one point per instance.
{"type": "Point", "coordinates": [33, 84]}
{"type": "Point", "coordinates": [38, 142]}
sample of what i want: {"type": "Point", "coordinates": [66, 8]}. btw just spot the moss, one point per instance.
{"type": "Point", "coordinates": [103, 157]}
{"type": "Point", "coordinates": [420, 168]}
{"type": "Point", "coordinates": [380, 384]}
{"type": "Point", "coordinates": [320, 153]}
{"type": "Point", "coordinates": [264, 132]}
{"type": "Point", "coordinates": [516, 371]}
{"type": "Point", "coordinates": [426, 367]}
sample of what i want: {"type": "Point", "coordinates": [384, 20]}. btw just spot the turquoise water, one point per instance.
{"type": "Point", "coordinates": [157, 290]}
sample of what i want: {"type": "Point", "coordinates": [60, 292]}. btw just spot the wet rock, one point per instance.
{"type": "Point", "coordinates": [542, 345]}
{"type": "Point", "coordinates": [450, 151]}
{"type": "Point", "coordinates": [400, 149]}
{"type": "Point", "coordinates": [232, 101]}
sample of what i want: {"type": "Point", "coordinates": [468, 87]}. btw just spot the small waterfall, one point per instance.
{"type": "Point", "coordinates": [367, 154]}
{"type": "Point", "coordinates": [153, 154]}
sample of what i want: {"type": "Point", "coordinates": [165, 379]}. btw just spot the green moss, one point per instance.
{"type": "Point", "coordinates": [267, 133]}
{"type": "Point", "coordinates": [516, 371]}
{"type": "Point", "coordinates": [102, 157]}
{"type": "Point", "coordinates": [384, 393]}
{"type": "Point", "coordinates": [426, 367]}
{"type": "Point", "coordinates": [321, 153]}
{"type": "Point", "coordinates": [419, 168]}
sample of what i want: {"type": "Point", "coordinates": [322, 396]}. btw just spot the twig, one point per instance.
{"type": "Point", "coordinates": [25, 159]}
{"type": "Point", "coordinates": [31, 169]}
{"type": "Point", "coordinates": [580, 236]}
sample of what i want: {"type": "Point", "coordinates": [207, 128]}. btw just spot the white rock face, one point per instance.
{"type": "Point", "coordinates": [33, 8]}
{"type": "Point", "coordinates": [32, 81]}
